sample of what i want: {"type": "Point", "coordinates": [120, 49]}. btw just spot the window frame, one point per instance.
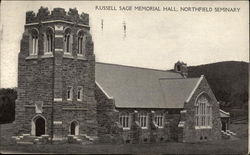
{"type": "Point", "coordinates": [49, 38]}
{"type": "Point", "coordinates": [124, 120]}
{"type": "Point", "coordinates": [34, 42]}
{"type": "Point", "coordinates": [81, 93]}
{"type": "Point", "coordinates": [81, 40]}
{"type": "Point", "coordinates": [69, 90]}
{"type": "Point", "coordinates": [143, 120]}
{"type": "Point", "coordinates": [203, 112]}
{"type": "Point", "coordinates": [159, 120]}
{"type": "Point", "coordinates": [67, 41]}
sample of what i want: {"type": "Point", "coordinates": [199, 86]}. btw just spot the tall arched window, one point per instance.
{"type": "Point", "coordinates": [81, 43]}
{"type": "Point", "coordinates": [48, 40]}
{"type": "Point", "coordinates": [203, 112]}
{"type": "Point", "coordinates": [67, 41]}
{"type": "Point", "coordinates": [34, 42]}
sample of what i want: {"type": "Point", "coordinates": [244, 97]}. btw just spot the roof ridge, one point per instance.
{"type": "Point", "coordinates": [135, 67]}
{"type": "Point", "coordinates": [178, 78]}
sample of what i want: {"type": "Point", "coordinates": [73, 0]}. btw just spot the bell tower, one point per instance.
{"type": "Point", "coordinates": [56, 76]}
{"type": "Point", "coordinates": [181, 67]}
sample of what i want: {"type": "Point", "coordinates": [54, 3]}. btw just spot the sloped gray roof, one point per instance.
{"type": "Point", "coordinates": [134, 87]}
{"type": "Point", "coordinates": [177, 91]}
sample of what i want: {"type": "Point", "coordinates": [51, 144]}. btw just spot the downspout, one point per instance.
{"type": "Point", "coordinates": [53, 82]}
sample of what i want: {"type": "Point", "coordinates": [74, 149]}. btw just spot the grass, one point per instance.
{"type": "Point", "coordinates": [238, 146]}
{"type": "Point", "coordinates": [222, 147]}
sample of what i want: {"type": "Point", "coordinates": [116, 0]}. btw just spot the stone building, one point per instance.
{"type": "Point", "coordinates": [65, 96]}
{"type": "Point", "coordinates": [56, 76]}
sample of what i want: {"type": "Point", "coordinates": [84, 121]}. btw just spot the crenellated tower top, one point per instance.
{"type": "Point", "coordinates": [57, 14]}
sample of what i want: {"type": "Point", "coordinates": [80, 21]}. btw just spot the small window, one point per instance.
{"type": "Point", "coordinates": [178, 68]}
{"type": "Point", "coordinates": [124, 120]}
{"type": "Point", "coordinates": [79, 93]}
{"type": "Point", "coordinates": [159, 120]}
{"type": "Point", "coordinates": [143, 120]}
{"type": "Point", "coordinates": [69, 93]}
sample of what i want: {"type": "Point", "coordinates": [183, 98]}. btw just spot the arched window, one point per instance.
{"type": "Point", "coordinates": [178, 68]}
{"type": "Point", "coordinates": [67, 41]}
{"type": "Point", "coordinates": [81, 43]}
{"type": "Point", "coordinates": [124, 120]}
{"type": "Point", "coordinates": [203, 112]}
{"type": "Point", "coordinates": [74, 128]}
{"type": "Point", "coordinates": [48, 40]}
{"type": "Point", "coordinates": [34, 42]}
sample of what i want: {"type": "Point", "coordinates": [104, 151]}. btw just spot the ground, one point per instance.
{"type": "Point", "coordinates": [237, 145]}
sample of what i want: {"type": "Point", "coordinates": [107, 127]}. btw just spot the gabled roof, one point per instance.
{"type": "Point", "coordinates": [134, 87]}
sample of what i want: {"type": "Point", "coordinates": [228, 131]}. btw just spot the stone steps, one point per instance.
{"type": "Point", "coordinates": [231, 133]}
{"type": "Point", "coordinates": [228, 134]}
{"type": "Point", "coordinates": [28, 139]}
{"type": "Point", "coordinates": [80, 139]}
{"type": "Point", "coordinates": [225, 135]}
{"type": "Point", "coordinates": [21, 142]}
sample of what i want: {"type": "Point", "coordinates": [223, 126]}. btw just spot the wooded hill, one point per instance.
{"type": "Point", "coordinates": [228, 80]}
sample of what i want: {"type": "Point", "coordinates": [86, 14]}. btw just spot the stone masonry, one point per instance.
{"type": "Point", "coordinates": [44, 77]}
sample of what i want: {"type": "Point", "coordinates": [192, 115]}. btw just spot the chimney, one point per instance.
{"type": "Point", "coordinates": [181, 67]}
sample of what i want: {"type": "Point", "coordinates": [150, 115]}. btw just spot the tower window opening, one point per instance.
{"type": "Point", "coordinates": [67, 41]}
{"type": "Point", "coordinates": [178, 68]}
{"type": "Point", "coordinates": [34, 42]}
{"type": "Point", "coordinates": [81, 43]}
{"type": "Point", "coordinates": [49, 41]}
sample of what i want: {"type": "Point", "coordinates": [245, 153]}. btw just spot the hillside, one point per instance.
{"type": "Point", "coordinates": [228, 80]}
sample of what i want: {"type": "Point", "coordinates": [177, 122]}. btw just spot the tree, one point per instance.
{"type": "Point", "coordinates": [7, 105]}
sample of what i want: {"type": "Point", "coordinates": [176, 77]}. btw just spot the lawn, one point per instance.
{"type": "Point", "coordinates": [238, 146]}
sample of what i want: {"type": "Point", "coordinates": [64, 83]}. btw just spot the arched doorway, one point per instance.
{"type": "Point", "coordinates": [38, 127]}
{"type": "Point", "coordinates": [224, 126]}
{"type": "Point", "coordinates": [74, 128]}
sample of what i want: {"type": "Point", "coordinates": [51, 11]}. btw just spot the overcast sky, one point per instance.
{"type": "Point", "coordinates": [153, 39]}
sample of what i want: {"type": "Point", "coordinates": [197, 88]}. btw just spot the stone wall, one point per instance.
{"type": "Point", "coordinates": [179, 124]}
{"type": "Point", "coordinates": [34, 83]}
{"type": "Point", "coordinates": [110, 131]}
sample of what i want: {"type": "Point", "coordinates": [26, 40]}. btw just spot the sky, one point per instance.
{"type": "Point", "coordinates": [154, 39]}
